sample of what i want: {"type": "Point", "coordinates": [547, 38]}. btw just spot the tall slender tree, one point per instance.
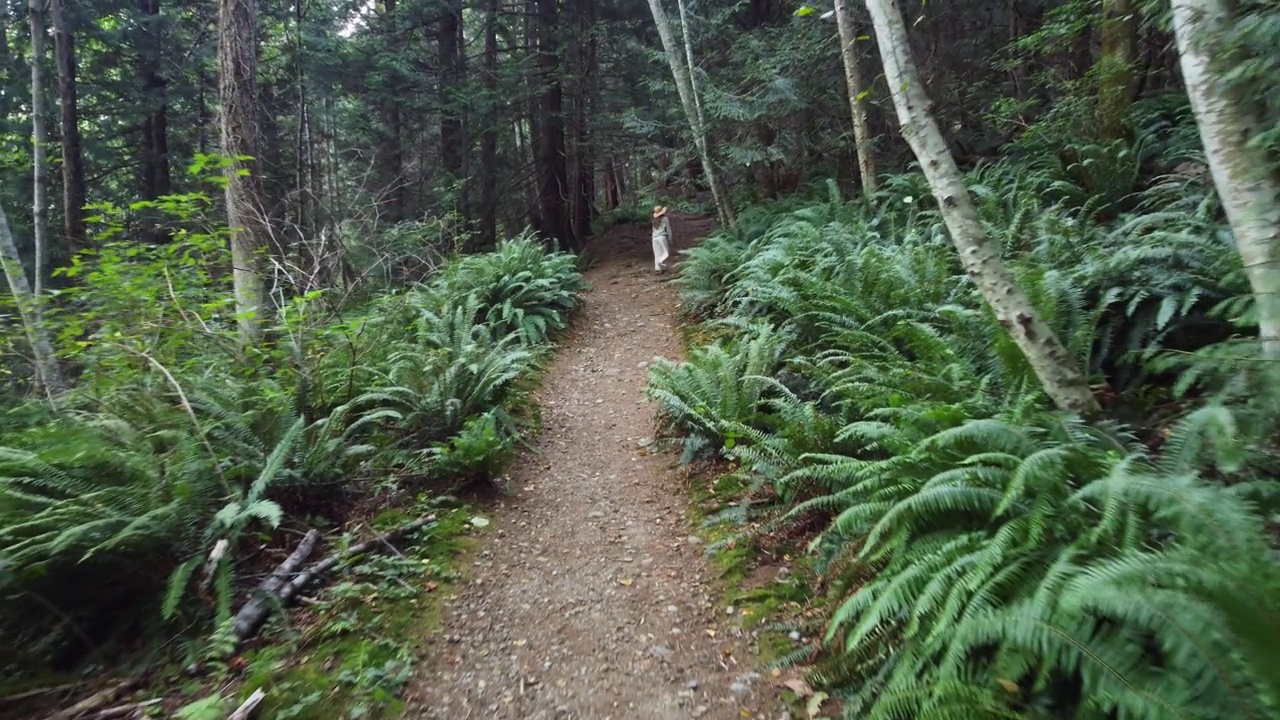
{"type": "Point", "coordinates": [40, 165]}
{"type": "Point", "coordinates": [73, 182]}
{"type": "Point", "coordinates": [155, 122]}
{"type": "Point", "coordinates": [680, 72]}
{"type": "Point", "coordinates": [857, 96]}
{"type": "Point", "coordinates": [721, 195]}
{"type": "Point", "coordinates": [489, 133]}
{"type": "Point", "coordinates": [553, 184]}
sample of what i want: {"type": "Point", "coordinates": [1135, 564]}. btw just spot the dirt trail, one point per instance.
{"type": "Point", "coordinates": [589, 599]}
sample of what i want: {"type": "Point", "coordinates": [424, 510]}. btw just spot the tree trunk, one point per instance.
{"type": "Point", "coordinates": [489, 136]}
{"type": "Point", "coordinates": [388, 155]}
{"type": "Point", "coordinates": [1117, 69]}
{"type": "Point", "coordinates": [718, 192]}
{"type": "Point", "coordinates": [553, 171]}
{"type": "Point", "coordinates": [40, 166]}
{"type": "Point", "coordinates": [611, 195]}
{"type": "Point", "coordinates": [857, 106]}
{"type": "Point", "coordinates": [450, 46]}
{"type": "Point", "coordinates": [237, 92]}
{"type": "Point", "coordinates": [584, 156]}
{"type": "Point", "coordinates": [1249, 189]}
{"type": "Point", "coordinates": [1058, 372]}
{"type": "Point", "coordinates": [73, 183]}
{"type": "Point", "coordinates": [155, 126]}
{"type": "Point", "coordinates": [47, 374]}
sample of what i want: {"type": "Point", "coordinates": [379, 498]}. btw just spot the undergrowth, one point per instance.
{"type": "Point", "coordinates": [137, 508]}
{"type": "Point", "coordinates": [982, 555]}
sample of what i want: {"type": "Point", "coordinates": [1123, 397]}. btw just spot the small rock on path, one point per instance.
{"type": "Point", "coordinates": [589, 599]}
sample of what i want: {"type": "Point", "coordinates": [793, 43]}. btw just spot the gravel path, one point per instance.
{"type": "Point", "coordinates": [588, 598]}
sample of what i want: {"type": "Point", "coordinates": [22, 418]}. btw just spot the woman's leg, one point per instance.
{"type": "Point", "coordinates": [659, 252]}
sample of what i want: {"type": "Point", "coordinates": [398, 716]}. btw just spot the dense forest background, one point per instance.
{"type": "Point", "coordinates": [276, 265]}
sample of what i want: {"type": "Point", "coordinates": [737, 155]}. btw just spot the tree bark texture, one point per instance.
{"type": "Point", "coordinates": [155, 126]}
{"type": "Point", "coordinates": [489, 134]}
{"type": "Point", "coordinates": [857, 105]}
{"type": "Point", "coordinates": [553, 172]}
{"type": "Point", "coordinates": [40, 164]}
{"type": "Point", "coordinates": [73, 181]}
{"type": "Point", "coordinates": [1250, 192]}
{"type": "Point", "coordinates": [238, 94]}
{"type": "Point", "coordinates": [1057, 370]}
{"type": "Point", "coordinates": [449, 40]}
{"type": "Point", "coordinates": [1117, 82]}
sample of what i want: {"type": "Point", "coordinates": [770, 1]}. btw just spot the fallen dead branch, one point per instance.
{"type": "Point", "coordinates": [277, 590]}
{"type": "Point", "coordinates": [248, 706]}
{"type": "Point", "coordinates": [251, 615]}
{"type": "Point", "coordinates": [126, 710]}
{"type": "Point", "coordinates": [95, 701]}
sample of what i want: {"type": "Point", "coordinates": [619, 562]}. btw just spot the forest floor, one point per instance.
{"type": "Point", "coordinates": [590, 597]}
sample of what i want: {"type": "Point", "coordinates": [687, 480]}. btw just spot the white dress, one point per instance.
{"type": "Point", "coordinates": [661, 244]}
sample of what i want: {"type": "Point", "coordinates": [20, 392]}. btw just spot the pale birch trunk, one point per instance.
{"type": "Point", "coordinates": [1058, 372]}
{"type": "Point", "coordinates": [857, 106]}
{"type": "Point", "coordinates": [40, 165]}
{"type": "Point", "coordinates": [685, 85]}
{"type": "Point", "coordinates": [1250, 192]}
{"type": "Point", "coordinates": [238, 94]}
{"type": "Point", "coordinates": [48, 376]}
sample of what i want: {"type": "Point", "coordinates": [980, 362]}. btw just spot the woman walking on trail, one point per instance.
{"type": "Point", "coordinates": [661, 238]}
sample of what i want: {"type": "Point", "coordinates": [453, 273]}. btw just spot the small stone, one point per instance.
{"type": "Point", "coordinates": [660, 651]}
{"type": "Point", "coordinates": [740, 690]}
{"type": "Point", "coordinates": [595, 514]}
{"type": "Point", "coordinates": [794, 635]}
{"type": "Point", "coordinates": [692, 684]}
{"type": "Point", "coordinates": [693, 540]}
{"type": "Point", "coordinates": [699, 711]}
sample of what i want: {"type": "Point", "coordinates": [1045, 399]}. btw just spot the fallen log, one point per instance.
{"type": "Point", "coordinates": [251, 615]}
{"type": "Point", "coordinates": [277, 590]}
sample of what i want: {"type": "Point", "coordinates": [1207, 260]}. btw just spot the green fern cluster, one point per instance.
{"type": "Point", "coordinates": [1004, 561]}
{"type": "Point", "coordinates": [123, 492]}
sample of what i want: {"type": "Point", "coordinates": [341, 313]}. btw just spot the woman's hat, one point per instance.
{"type": "Point", "coordinates": [659, 210]}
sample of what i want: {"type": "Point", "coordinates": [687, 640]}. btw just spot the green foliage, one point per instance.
{"type": "Point", "coordinates": [1001, 560]}
{"type": "Point", "coordinates": [146, 493]}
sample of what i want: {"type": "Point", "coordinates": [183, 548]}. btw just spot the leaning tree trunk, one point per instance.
{"type": "Point", "coordinates": [40, 166]}
{"type": "Point", "coordinates": [858, 108]}
{"type": "Point", "coordinates": [680, 72]}
{"type": "Point", "coordinates": [1250, 191]}
{"type": "Point", "coordinates": [237, 91]}
{"type": "Point", "coordinates": [718, 191]}
{"type": "Point", "coordinates": [73, 183]}
{"type": "Point", "coordinates": [46, 366]}
{"type": "Point", "coordinates": [1058, 372]}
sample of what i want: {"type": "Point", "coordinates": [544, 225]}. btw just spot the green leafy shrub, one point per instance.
{"type": "Point", "coordinates": [176, 441]}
